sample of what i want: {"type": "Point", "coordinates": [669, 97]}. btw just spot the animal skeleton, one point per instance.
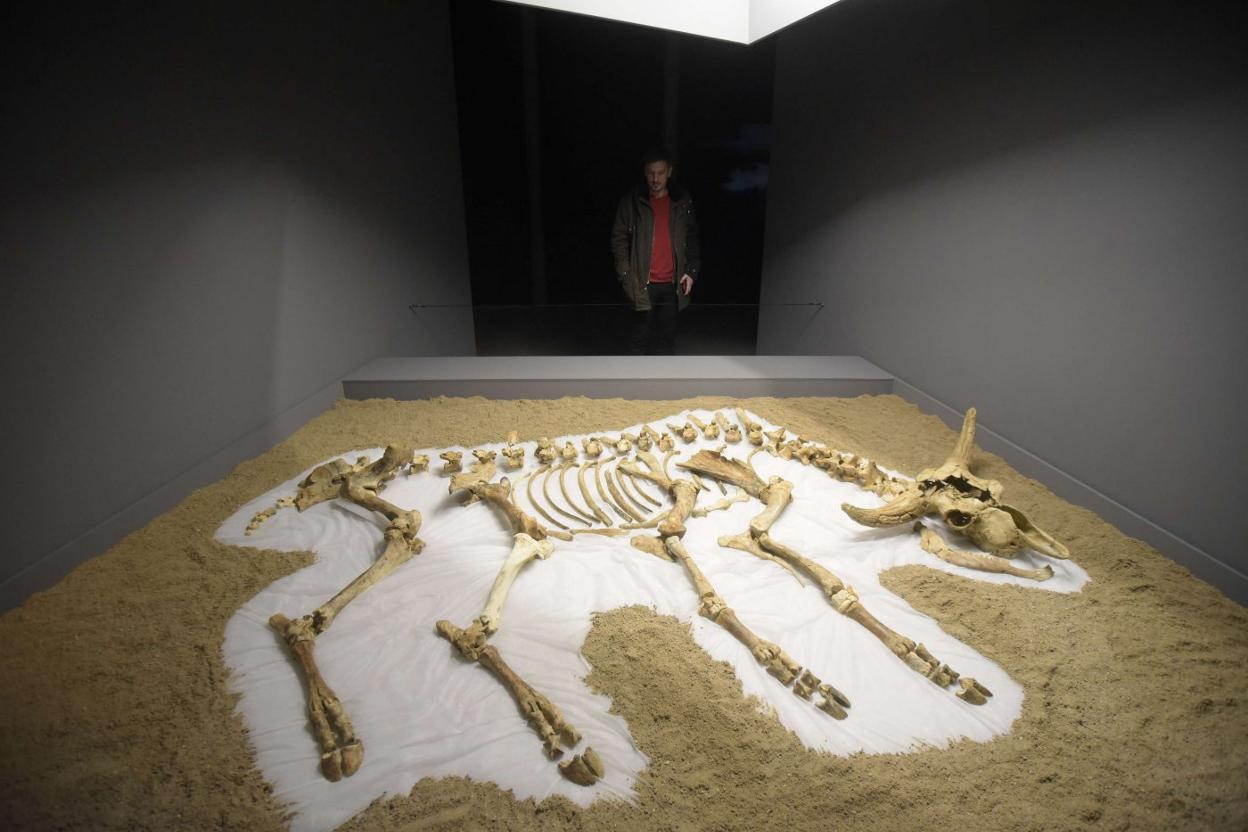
{"type": "Point", "coordinates": [967, 504]}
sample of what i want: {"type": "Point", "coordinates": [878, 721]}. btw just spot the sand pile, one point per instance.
{"type": "Point", "coordinates": [117, 714]}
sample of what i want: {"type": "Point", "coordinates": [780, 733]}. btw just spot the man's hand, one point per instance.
{"type": "Point", "coordinates": [686, 284]}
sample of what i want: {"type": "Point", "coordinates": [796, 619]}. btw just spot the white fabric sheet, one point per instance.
{"type": "Point", "coordinates": [422, 711]}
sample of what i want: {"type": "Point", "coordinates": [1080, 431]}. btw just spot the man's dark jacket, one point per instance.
{"type": "Point", "coordinates": [632, 238]}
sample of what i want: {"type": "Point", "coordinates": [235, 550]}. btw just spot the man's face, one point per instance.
{"type": "Point", "coordinates": [657, 174]}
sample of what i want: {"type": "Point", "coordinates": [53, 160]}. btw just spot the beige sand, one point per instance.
{"type": "Point", "coordinates": [116, 714]}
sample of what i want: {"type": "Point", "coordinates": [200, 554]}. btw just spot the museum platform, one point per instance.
{"type": "Point", "coordinates": [616, 376]}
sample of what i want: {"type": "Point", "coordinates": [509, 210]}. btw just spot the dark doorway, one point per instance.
{"type": "Point", "coordinates": [555, 111]}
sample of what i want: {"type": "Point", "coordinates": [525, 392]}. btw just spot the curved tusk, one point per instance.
{"type": "Point", "coordinates": [907, 507]}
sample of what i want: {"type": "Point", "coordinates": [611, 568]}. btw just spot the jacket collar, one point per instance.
{"type": "Point", "coordinates": [674, 190]}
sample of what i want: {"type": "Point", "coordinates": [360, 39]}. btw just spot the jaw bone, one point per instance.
{"type": "Point", "coordinates": [933, 543]}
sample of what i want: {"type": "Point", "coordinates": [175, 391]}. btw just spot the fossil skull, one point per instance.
{"type": "Point", "coordinates": [969, 505]}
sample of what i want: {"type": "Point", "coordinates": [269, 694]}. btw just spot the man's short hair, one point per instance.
{"type": "Point", "coordinates": [658, 154]}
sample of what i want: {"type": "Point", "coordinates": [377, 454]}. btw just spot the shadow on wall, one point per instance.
{"type": "Point", "coordinates": [210, 214]}
{"type": "Point", "coordinates": [907, 92]}
{"type": "Point", "coordinates": [1038, 210]}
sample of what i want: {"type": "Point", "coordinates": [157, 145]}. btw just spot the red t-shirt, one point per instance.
{"type": "Point", "coordinates": [662, 257]}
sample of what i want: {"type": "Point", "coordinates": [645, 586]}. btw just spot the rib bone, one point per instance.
{"type": "Point", "coordinates": [605, 494]}
{"type": "Point", "coordinates": [623, 477]}
{"type": "Point", "coordinates": [528, 490]}
{"type": "Point", "coordinates": [638, 483]}
{"type": "Point", "coordinates": [602, 516]}
{"type": "Point", "coordinates": [585, 515]}
{"type": "Point", "coordinates": [609, 475]}
{"type": "Point", "coordinates": [557, 471]}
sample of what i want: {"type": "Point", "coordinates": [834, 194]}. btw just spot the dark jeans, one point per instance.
{"type": "Point", "coordinates": [655, 331]}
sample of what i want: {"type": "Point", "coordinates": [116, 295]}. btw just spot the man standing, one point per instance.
{"type": "Point", "coordinates": [655, 244]}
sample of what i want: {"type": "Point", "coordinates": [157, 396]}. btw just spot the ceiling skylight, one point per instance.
{"type": "Point", "coordinates": [743, 21]}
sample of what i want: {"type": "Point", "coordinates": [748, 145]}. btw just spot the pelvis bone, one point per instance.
{"type": "Point", "coordinates": [969, 505]}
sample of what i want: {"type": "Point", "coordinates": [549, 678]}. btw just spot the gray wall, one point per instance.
{"type": "Point", "coordinates": [1040, 210]}
{"type": "Point", "coordinates": [209, 216]}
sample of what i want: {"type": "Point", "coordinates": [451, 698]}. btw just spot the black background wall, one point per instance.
{"type": "Point", "coordinates": [598, 103]}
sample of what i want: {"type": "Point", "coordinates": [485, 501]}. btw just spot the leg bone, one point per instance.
{"type": "Point", "coordinates": [542, 714]}
{"type": "Point", "coordinates": [778, 663]}
{"type": "Point", "coordinates": [341, 752]}
{"type": "Point", "coordinates": [846, 602]}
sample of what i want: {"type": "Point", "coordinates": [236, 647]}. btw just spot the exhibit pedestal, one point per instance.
{"type": "Point", "coordinates": [616, 376]}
